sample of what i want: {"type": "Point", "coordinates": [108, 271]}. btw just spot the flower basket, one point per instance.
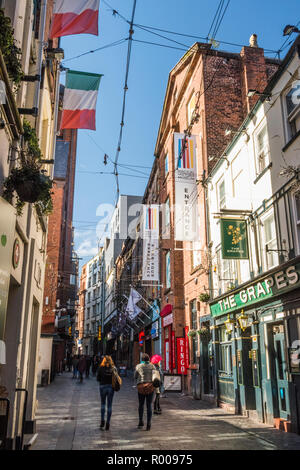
{"type": "Point", "coordinates": [31, 185]}
{"type": "Point", "coordinates": [192, 333]}
{"type": "Point", "coordinates": [204, 333]}
{"type": "Point", "coordinates": [204, 297]}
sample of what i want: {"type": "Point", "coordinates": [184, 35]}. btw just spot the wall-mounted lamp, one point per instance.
{"type": "Point", "coordinates": [57, 53]}
{"type": "Point", "coordinates": [243, 321]}
{"type": "Point", "coordinates": [229, 324]}
{"type": "Point", "coordinates": [252, 93]}
{"type": "Point", "coordinates": [229, 132]}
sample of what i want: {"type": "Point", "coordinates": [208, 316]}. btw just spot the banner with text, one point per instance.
{"type": "Point", "coordinates": [186, 200]}
{"type": "Point", "coordinates": [151, 242]}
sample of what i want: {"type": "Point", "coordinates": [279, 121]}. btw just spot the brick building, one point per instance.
{"type": "Point", "coordinates": [209, 92]}
{"type": "Point", "coordinates": [61, 270]}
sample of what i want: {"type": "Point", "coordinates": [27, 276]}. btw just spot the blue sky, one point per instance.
{"type": "Point", "coordinates": [150, 66]}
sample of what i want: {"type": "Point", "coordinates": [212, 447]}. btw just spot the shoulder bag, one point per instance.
{"type": "Point", "coordinates": [116, 380]}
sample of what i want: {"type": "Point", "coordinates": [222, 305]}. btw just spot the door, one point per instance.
{"type": "Point", "coordinates": [281, 373]}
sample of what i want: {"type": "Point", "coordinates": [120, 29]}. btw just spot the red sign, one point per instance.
{"type": "Point", "coordinates": [181, 358]}
{"type": "Point", "coordinates": [187, 352]}
{"type": "Point", "coordinates": [173, 351]}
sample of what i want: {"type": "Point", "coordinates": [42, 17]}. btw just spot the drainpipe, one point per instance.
{"type": "Point", "coordinates": [36, 101]}
{"type": "Point", "coordinates": [56, 104]}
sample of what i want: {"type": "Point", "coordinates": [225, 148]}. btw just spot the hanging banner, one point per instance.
{"type": "Point", "coordinates": [151, 242]}
{"type": "Point", "coordinates": [187, 345]}
{"type": "Point", "coordinates": [234, 239]}
{"type": "Point", "coordinates": [173, 351]}
{"type": "Point", "coordinates": [181, 357]}
{"type": "Point", "coordinates": [186, 200]}
{"type": "Point", "coordinates": [80, 100]}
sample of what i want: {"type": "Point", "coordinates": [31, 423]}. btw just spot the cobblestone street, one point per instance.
{"type": "Point", "coordinates": [68, 418]}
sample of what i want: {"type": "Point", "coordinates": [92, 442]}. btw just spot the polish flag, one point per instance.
{"type": "Point", "coordinates": [80, 99]}
{"type": "Point", "coordinates": [75, 17]}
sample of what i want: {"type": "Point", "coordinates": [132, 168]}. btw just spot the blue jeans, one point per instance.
{"type": "Point", "coordinates": [106, 391]}
{"type": "Point", "coordinates": [148, 399]}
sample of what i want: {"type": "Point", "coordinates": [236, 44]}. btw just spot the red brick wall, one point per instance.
{"type": "Point", "coordinates": [53, 257]}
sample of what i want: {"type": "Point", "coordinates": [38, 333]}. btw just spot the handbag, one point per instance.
{"type": "Point", "coordinates": [156, 378]}
{"type": "Point", "coordinates": [116, 380]}
{"type": "Point", "coordinates": [145, 388]}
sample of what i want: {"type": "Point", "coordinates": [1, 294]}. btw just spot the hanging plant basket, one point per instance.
{"type": "Point", "coordinates": [31, 185]}
{"type": "Point", "coordinates": [204, 297]}
{"type": "Point", "coordinates": [192, 333]}
{"type": "Point", "coordinates": [204, 333]}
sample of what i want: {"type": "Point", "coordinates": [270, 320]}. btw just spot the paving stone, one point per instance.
{"type": "Point", "coordinates": [68, 418]}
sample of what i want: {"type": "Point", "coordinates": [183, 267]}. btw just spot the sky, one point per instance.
{"type": "Point", "coordinates": [148, 76]}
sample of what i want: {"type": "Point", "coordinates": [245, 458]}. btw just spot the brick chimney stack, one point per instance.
{"type": "Point", "coordinates": [254, 72]}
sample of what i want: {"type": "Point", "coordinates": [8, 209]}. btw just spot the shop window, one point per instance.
{"type": "Point", "coordinates": [292, 100]}
{"type": "Point", "coordinates": [225, 353]}
{"type": "Point", "coordinates": [262, 150]}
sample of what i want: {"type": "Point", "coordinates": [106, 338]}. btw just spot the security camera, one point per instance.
{"type": "Point", "coordinates": [2, 124]}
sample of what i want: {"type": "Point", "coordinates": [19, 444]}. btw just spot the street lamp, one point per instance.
{"type": "Point", "coordinates": [253, 92]}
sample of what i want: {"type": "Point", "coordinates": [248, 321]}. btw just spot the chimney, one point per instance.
{"type": "Point", "coordinates": [254, 72]}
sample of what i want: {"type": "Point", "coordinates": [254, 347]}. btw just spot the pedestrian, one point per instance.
{"type": "Point", "coordinates": [105, 377]}
{"type": "Point", "coordinates": [156, 360]}
{"type": "Point", "coordinates": [94, 365]}
{"type": "Point", "coordinates": [143, 376]}
{"type": "Point", "coordinates": [88, 366]}
{"type": "Point", "coordinates": [81, 367]}
{"type": "Point", "coordinates": [75, 366]}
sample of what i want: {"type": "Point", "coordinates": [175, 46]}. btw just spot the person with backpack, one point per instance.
{"type": "Point", "coordinates": [109, 383]}
{"type": "Point", "coordinates": [144, 379]}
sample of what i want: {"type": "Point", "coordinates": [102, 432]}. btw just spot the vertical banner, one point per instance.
{"type": "Point", "coordinates": [181, 361]}
{"type": "Point", "coordinates": [173, 352]}
{"type": "Point", "coordinates": [186, 200]}
{"type": "Point", "coordinates": [187, 351]}
{"type": "Point", "coordinates": [151, 242]}
{"type": "Point", "coordinates": [167, 355]}
{"type": "Point", "coordinates": [234, 239]}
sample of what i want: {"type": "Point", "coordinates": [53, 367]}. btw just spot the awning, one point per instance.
{"type": "Point", "coordinates": [166, 310]}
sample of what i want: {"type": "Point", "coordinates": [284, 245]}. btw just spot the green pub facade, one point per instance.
{"type": "Point", "coordinates": [256, 342]}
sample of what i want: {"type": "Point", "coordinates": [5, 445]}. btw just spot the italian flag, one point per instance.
{"type": "Point", "coordinates": [80, 99]}
{"type": "Point", "coordinates": [74, 17]}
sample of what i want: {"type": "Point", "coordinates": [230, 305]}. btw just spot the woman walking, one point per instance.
{"type": "Point", "coordinates": [156, 360]}
{"type": "Point", "coordinates": [105, 377]}
{"type": "Point", "coordinates": [143, 376]}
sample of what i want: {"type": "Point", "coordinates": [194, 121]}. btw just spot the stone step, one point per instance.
{"type": "Point", "coordinates": [29, 440]}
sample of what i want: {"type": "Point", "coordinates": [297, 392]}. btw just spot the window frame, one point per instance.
{"type": "Point", "coordinates": [264, 242]}
{"type": "Point", "coordinates": [261, 151]}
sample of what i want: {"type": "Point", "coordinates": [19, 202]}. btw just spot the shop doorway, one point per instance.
{"type": "Point", "coordinates": [281, 371]}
